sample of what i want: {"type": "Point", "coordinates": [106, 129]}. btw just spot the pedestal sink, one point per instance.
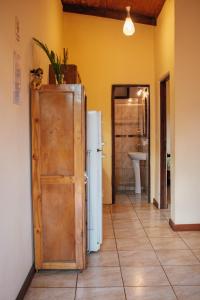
{"type": "Point", "coordinates": [136, 157]}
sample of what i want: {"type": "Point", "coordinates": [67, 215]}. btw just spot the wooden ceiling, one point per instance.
{"type": "Point", "coordinates": [143, 11]}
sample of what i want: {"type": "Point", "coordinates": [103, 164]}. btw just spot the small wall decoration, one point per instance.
{"type": "Point", "coordinates": [16, 78]}
{"type": "Point", "coordinates": [17, 29]}
{"type": "Point", "coordinates": [36, 78]}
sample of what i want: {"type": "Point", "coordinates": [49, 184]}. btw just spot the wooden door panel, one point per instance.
{"type": "Point", "coordinates": [58, 165]}
{"type": "Point", "coordinates": [58, 222]}
{"type": "Point", "coordinates": [57, 133]}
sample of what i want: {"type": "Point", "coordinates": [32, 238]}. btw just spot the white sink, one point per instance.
{"type": "Point", "coordinates": [136, 157]}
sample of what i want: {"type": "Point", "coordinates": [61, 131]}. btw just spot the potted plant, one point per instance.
{"type": "Point", "coordinates": [55, 60]}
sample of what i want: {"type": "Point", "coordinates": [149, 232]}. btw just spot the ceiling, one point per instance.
{"type": "Point", "coordinates": [143, 11]}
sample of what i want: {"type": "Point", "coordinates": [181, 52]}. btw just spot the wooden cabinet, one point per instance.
{"type": "Point", "coordinates": [58, 166]}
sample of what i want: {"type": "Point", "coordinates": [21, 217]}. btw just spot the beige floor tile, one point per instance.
{"type": "Point", "coordinates": [183, 275]}
{"type": "Point", "coordinates": [189, 234]}
{"type": "Point", "coordinates": [138, 258]}
{"type": "Point", "coordinates": [122, 199]}
{"type": "Point", "coordinates": [160, 232]}
{"type": "Point", "coordinates": [121, 196]}
{"type": "Point", "coordinates": [54, 279]}
{"type": "Point", "coordinates": [108, 245]}
{"type": "Point", "coordinates": [107, 219]}
{"type": "Point", "coordinates": [168, 243]}
{"type": "Point", "coordinates": [139, 243]}
{"type": "Point", "coordinates": [50, 294]}
{"type": "Point", "coordinates": [121, 208]}
{"type": "Point", "coordinates": [103, 259]}
{"type": "Point", "coordinates": [108, 228]}
{"type": "Point", "coordinates": [106, 208]}
{"type": "Point", "coordinates": [192, 241]}
{"type": "Point", "coordinates": [140, 204]}
{"type": "Point", "coordinates": [100, 277]}
{"type": "Point", "coordinates": [177, 257]}
{"type": "Point", "coordinates": [151, 218]}
{"type": "Point", "coordinates": [187, 292]}
{"type": "Point", "coordinates": [100, 293]}
{"type": "Point", "coordinates": [107, 223]}
{"type": "Point", "coordinates": [108, 233]}
{"type": "Point", "coordinates": [124, 212]}
{"type": "Point", "coordinates": [150, 293]}
{"type": "Point", "coordinates": [127, 222]}
{"type": "Point", "coordinates": [148, 213]}
{"type": "Point", "coordinates": [107, 212]}
{"type": "Point", "coordinates": [196, 253]}
{"type": "Point", "coordinates": [167, 215]}
{"type": "Point", "coordinates": [155, 223]}
{"type": "Point", "coordinates": [127, 204]}
{"type": "Point", "coordinates": [129, 233]}
{"type": "Point", "coordinates": [128, 225]}
{"type": "Point", "coordinates": [137, 198]}
{"type": "Point", "coordinates": [124, 202]}
{"type": "Point", "coordinates": [144, 209]}
{"type": "Point", "coordinates": [126, 216]}
{"type": "Point", "coordinates": [144, 276]}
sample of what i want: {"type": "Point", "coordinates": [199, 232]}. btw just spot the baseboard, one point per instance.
{"type": "Point", "coordinates": [184, 227]}
{"type": "Point", "coordinates": [26, 283]}
{"type": "Point", "coordinates": [155, 203]}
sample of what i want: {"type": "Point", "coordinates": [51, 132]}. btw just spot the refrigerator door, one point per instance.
{"type": "Point", "coordinates": [94, 187]}
{"type": "Point", "coordinates": [99, 175]}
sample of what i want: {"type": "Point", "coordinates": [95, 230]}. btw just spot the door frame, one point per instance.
{"type": "Point", "coordinates": [163, 142]}
{"type": "Point", "coordinates": [113, 136]}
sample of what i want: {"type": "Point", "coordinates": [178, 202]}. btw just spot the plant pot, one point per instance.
{"type": "Point", "coordinates": [69, 72]}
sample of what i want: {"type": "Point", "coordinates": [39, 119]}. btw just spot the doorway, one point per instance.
{"type": "Point", "coordinates": [165, 147]}
{"type": "Point", "coordinates": [131, 141]}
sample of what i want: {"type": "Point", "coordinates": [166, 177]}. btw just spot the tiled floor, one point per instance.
{"type": "Point", "coordinates": [141, 259]}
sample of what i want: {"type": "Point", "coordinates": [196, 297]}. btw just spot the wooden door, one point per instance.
{"type": "Point", "coordinates": [58, 165]}
{"type": "Point", "coordinates": [163, 144]}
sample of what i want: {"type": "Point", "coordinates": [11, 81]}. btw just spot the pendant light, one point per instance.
{"type": "Point", "coordinates": [129, 27]}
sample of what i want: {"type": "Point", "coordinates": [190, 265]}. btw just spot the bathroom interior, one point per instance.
{"type": "Point", "coordinates": [131, 141]}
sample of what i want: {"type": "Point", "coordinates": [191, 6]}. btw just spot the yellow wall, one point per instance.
{"type": "Point", "coordinates": [104, 57]}
{"type": "Point", "coordinates": [42, 19]}
{"type": "Point", "coordinates": [164, 65]}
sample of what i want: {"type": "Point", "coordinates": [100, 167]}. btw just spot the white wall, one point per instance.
{"type": "Point", "coordinates": [42, 19]}
{"type": "Point", "coordinates": [177, 48]}
{"type": "Point", "coordinates": [168, 117]}
{"type": "Point", "coordinates": [187, 112]}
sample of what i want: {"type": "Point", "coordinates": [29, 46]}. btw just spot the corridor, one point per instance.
{"type": "Point", "coordinates": [141, 259]}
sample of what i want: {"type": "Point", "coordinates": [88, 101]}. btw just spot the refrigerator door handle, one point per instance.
{"type": "Point", "coordinates": [85, 178]}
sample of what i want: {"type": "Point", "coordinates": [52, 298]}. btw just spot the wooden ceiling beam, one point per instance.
{"type": "Point", "coordinates": [107, 13]}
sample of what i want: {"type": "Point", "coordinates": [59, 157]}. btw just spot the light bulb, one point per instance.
{"type": "Point", "coordinates": [139, 93]}
{"type": "Point", "coordinates": [128, 28]}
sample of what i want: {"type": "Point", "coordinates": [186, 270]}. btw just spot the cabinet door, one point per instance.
{"type": "Point", "coordinates": [58, 164]}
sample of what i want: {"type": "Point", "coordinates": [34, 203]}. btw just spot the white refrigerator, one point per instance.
{"type": "Point", "coordinates": [94, 186]}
